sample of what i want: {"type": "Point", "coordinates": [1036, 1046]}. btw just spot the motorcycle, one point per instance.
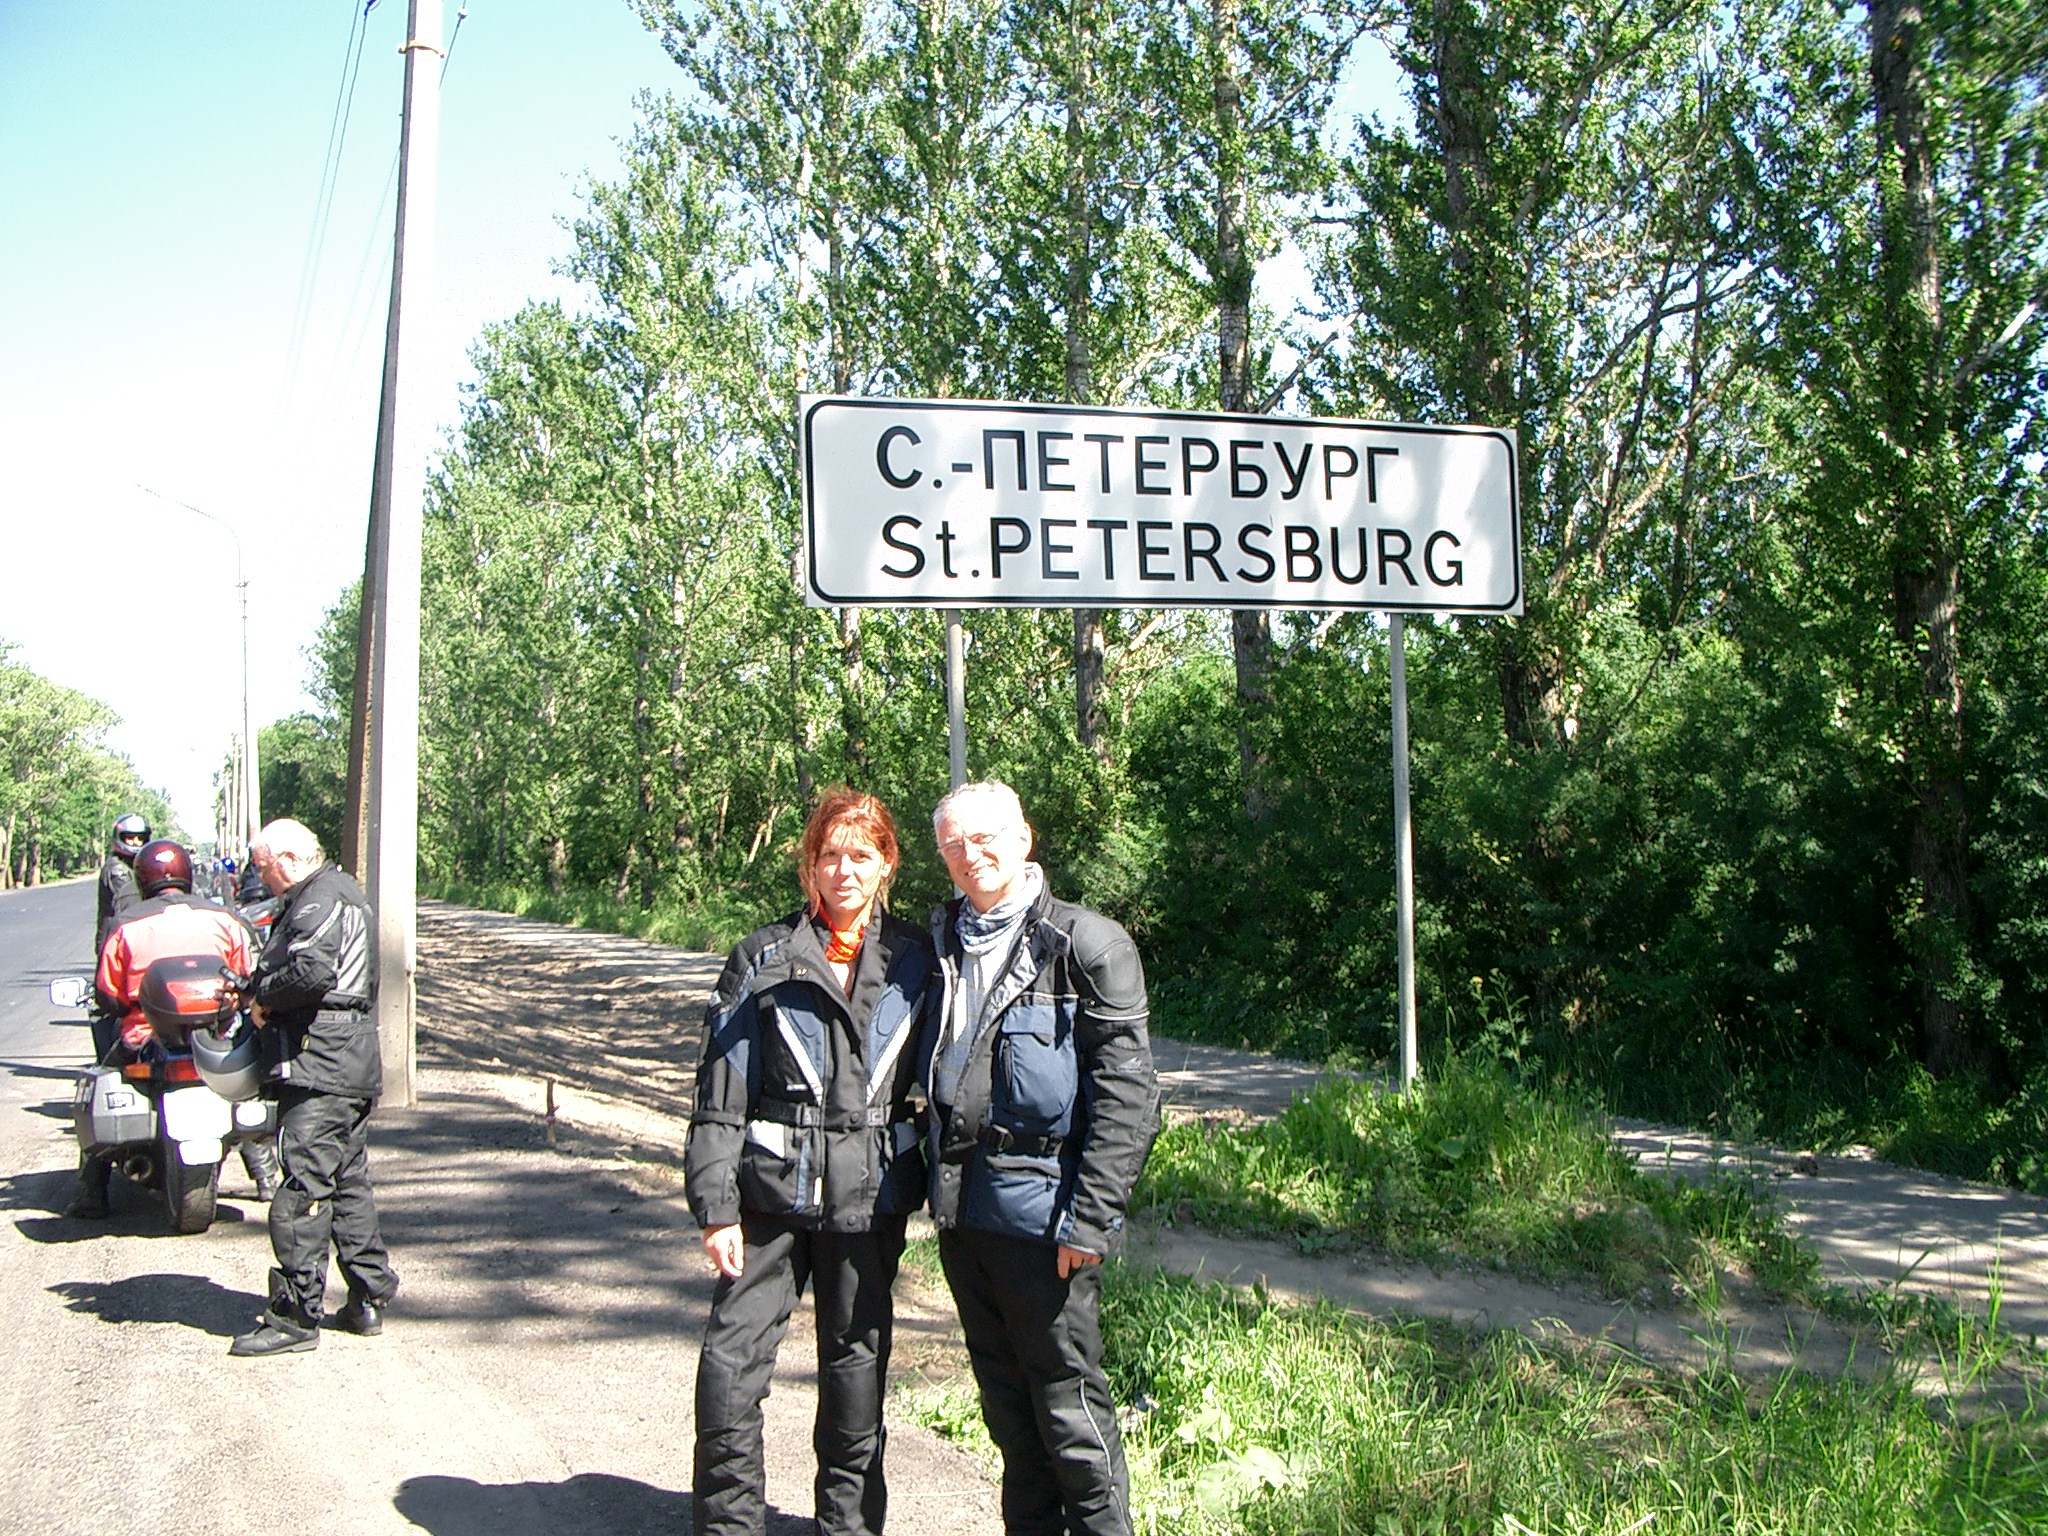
{"type": "Point", "coordinates": [156, 1117]}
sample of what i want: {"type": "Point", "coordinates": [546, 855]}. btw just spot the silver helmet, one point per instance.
{"type": "Point", "coordinates": [230, 1064]}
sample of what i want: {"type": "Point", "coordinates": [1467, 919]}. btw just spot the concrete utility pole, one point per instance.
{"type": "Point", "coordinates": [388, 669]}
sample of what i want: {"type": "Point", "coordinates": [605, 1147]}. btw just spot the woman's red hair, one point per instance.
{"type": "Point", "coordinates": [855, 811]}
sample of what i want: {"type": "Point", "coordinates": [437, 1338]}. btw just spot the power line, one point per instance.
{"type": "Point", "coordinates": [323, 199]}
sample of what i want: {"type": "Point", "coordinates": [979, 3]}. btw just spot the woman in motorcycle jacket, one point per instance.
{"type": "Point", "coordinates": [803, 1163]}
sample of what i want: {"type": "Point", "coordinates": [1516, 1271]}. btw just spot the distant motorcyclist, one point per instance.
{"type": "Point", "coordinates": [169, 920]}
{"type": "Point", "coordinates": [248, 884]}
{"type": "Point", "coordinates": [117, 876]}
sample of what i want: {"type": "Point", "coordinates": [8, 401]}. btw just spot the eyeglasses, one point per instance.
{"type": "Point", "coordinates": [980, 842]}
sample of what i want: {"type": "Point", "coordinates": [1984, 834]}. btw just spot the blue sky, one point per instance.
{"type": "Point", "coordinates": [159, 171]}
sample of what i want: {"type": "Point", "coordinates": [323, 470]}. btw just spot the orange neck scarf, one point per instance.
{"type": "Point", "coordinates": [843, 944]}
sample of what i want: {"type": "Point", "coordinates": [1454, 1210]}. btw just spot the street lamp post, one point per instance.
{"type": "Point", "coordinates": [249, 796]}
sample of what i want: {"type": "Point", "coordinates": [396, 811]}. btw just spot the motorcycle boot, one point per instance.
{"type": "Point", "coordinates": [260, 1159]}
{"type": "Point", "coordinates": [276, 1334]}
{"type": "Point", "coordinates": [360, 1315]}
{"type": "Point", "coordinates": [89, 1202]}
{"type": "Point", "coordinates": [283, 1329]}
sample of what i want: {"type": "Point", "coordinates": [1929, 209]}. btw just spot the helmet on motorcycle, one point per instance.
{"type": "Point", "coordinates": [181, 992]}
{"type": "Point", "coordinates": [163, 864]}
{"type": "Point", "coordinates": [229, 1061]}
{"type": "Point", "coordinates": [130, 833]}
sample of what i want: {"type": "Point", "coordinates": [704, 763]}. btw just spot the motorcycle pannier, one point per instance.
{"type": "Point", "coordinates": [109, 1110]}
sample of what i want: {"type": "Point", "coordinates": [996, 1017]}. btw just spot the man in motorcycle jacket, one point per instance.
{"type": "Point", "coordinates": [313, 987]}
{"type": "Point", "coordinates": [169, 920]}
{"type": "Point", "coordinates": [117, 877]}
{"type": "Point", "coordinates": [1045, 1104]}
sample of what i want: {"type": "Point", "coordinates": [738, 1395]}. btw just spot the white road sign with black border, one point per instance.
{"type": "Point", "coordinates": [975, 503]}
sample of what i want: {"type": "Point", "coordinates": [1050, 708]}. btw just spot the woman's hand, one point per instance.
{"type": "Point", "coordinates": [726, 1247]}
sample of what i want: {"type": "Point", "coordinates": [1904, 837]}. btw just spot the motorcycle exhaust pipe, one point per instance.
{"type": "Point", "coordinates": [138, 1166]}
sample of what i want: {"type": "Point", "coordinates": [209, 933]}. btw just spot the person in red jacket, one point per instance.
{"type": "Point", "coordinates": [169, 921]}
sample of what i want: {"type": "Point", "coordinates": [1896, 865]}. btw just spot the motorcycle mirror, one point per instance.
{"type": "Point", "coordinates": [69, 991]}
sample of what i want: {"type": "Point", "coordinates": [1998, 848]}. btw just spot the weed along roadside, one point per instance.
{"type": "Point", "coordinates": [1467, 1310]}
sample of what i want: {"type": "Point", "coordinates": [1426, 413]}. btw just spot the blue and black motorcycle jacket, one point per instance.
{"type": "Point", "coordinates": [806, 1106]}
{"type": "Point", "coordinates": [1058, 1103]}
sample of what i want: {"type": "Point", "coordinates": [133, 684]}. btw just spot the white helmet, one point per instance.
{"type": "Point", "coordinates": [229, 1064]}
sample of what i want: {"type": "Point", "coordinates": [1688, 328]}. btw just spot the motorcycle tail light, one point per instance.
{"type": "Point", "coordinates": [179, 1069]}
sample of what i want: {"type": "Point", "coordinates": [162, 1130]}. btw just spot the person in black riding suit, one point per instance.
{"type": "Point", "coordinates": [117, 880]}
{"type": "Point", "coordinates": [313, 988]}
{"type": "Point", "coordinates": [803, 1164]}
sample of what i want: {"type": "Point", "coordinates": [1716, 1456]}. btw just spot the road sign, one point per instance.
{"type": "Point", "coordinates": [971, 503]}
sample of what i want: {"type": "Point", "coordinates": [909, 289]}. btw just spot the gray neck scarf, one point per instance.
{"type": "Point", "coordinates": [987, 938]}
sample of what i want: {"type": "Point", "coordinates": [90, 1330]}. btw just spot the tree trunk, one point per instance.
{"type": "Point", "coordinates": [853, 701]}
{"type": "Point", "coordinates": [852, 663]}
{"type": "Point", "coordinates": [799, 722]}
{"type": "Point", "coordinates": [1251, 629]}
{"type": "Point", "coordinates": [1926, 572]}
{"type": "Point", "coordinates": [1463, 118]}
{"type": "Point", "coordinates": [1080, 368]}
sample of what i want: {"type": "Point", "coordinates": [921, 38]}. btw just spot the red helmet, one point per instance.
{"type": "Point", "coordinates": [163, 864]}
{"type": "Point", "coordinates": [181, 992]}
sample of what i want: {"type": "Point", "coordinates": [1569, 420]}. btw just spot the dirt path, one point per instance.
{"type": "Point", "coordinates": [612, 1023]}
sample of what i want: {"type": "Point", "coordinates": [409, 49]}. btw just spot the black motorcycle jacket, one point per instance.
{"type": "Point", "coordinates": [118, 898]}
{"type": "Point", "coordinates": [315, 983]}
{"type": "Point", "coordinates": [1058, 1103]}
{"type": "Point", "coordinates": [804, 1106]}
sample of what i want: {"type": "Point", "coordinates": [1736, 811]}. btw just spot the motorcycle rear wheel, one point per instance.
{"type": "Point", "coordinates": [189, 1189]}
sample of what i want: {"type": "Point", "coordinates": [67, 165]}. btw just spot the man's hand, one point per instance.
{"type": "Point", "coordinates": [1073, 1260]}
{"type": "Point", "coordinates": [727, 1248]}
{"type": "Point", "coordinates": [256, 1014]}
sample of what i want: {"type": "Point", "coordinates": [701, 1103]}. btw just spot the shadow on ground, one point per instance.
{"type": "Point", "coordinates": [589, 1504]}
{"type": "Point", "coordinates": [190, 1300]}
{"type": "Point", "coordinates": [137, 1211]}
{"type": "Point", "coordinates": [520, 1231]}
{"type": "Point", "coordinates": [31, 1069]}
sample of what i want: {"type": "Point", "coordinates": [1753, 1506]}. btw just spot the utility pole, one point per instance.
{"type": "Point", "coordinates": [385, 817]}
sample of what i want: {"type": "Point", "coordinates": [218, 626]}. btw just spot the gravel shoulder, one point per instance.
{"type": "Point", "coordinates": [550, 1011]}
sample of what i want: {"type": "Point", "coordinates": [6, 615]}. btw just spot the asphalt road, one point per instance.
{"type": "Point", "coordinates": [534, 1376]}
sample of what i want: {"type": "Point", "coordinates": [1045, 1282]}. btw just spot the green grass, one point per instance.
{"type": "Point", "coordinates": [1261, 1417]}
{"type": "Point", "coordinates": [711, 927]}
{"type": "Point", "coordinates": [1472, 1165]}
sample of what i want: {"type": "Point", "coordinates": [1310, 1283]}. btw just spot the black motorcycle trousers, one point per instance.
{"type": "Point", "coordinates": [323, 1143]}
{"type": "Point", "coordinates": [849, 1275]}
{"type": "Point", "coordinates": [1035, 1342]}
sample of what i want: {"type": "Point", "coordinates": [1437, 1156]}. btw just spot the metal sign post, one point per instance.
{"type": "Point", "coordinates": [1404, 844]}
{"type": "Point", "coordinates": [955, 503]}
{"type": "Point", "coordinates": [956, 698]}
